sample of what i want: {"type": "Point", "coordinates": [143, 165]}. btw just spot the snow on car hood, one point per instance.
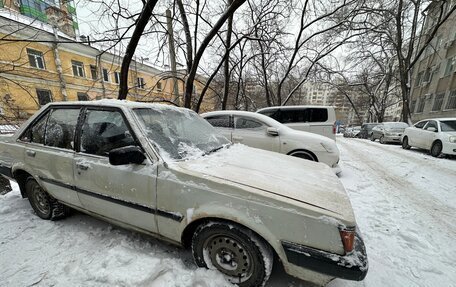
{"type": "Point", "coordinates": [292, 178]}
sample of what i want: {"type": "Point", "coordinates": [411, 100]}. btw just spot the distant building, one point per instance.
{"type": "Point", "coordinates": [35, 73]}
{"type": "Point", "coordinates": [433, 91]}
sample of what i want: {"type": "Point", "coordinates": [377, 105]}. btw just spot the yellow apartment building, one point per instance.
{"type": "Point", "coordinates": [41, 61]}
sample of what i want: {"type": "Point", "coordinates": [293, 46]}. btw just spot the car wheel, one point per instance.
{"type": "Point", "coordinates": [239, 254]}
{"type": "Point", "coordinates": [382, 140]}
{"type": "Point", "coordinates": [436, 149]}
{"type": "Point", "coordinates": [405, 144]}
{"type": "Point", "coordinates": [304, 155]}
{"type": "Point", "coordinates": [42, 203]}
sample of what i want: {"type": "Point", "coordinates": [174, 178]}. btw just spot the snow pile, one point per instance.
{"type": "Point", "coordinates": [83, 251]}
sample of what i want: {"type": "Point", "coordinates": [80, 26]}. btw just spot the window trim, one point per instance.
{"type": "Point", "coordinates": [33, 52]}
{"type": "Point", "coordinates": [75, 63]}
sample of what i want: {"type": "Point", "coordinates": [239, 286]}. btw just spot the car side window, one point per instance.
{"type": "Point", "coordinates": [35, 132]}
{"type": "Point", "coordinates": [60, 128]}
{"type": "Point", "coordinates": [420, 125]}
{"type": "Point", "coordinates": [104, 130]}
{"type": "Point", "coordinates": [219, 121]}
{"type": "Point", "coordinates": [432, 124]}
{"type": "Point", "coordinates": [246, 123]}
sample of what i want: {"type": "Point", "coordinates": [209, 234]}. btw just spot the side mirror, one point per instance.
{"type": "Point", "coordinates": [431, 129]}
{"type": "Point", "coordinates": [126, 155]}
{"type": "Point", "coordinates": [273, 131]}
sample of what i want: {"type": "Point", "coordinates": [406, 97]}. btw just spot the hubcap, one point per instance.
{"type": "Point", "coordinates": [40, 199]}
{"type": "Point", "coordinates": [229, 256]}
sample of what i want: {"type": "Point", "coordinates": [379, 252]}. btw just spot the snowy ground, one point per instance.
{"type": "Point", "coordinates": [404, 202]}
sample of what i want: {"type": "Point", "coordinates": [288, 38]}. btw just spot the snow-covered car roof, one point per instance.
{"type": "Point", "coordinates": [293, 107]}
{"type": "Point", "coordinates": [116, 103]}
{"type": "Point", "coordinates": [267, 120]}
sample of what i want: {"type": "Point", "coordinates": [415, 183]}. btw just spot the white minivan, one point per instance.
{"type": "Point", "coordinates": [315, 119]}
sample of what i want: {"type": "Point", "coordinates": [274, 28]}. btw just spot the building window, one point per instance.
{"type": "Point", "coordinates": [159, 86]}
{"type": "Point", "coordinates": [44, 96]}
{"type": "Point", "coordinates": [105, 75]}
{"type": "Point", "coordinates": [421, 102]}
{"type": "Point", "coordinates": [83, 97]}
{"type": "Point", "coordinates": [438, 101]}
{"type": "Point", "coordinates": [450, 66]}
{"type": "Point", "coordinates": [36, 59]}
{"type": "Point", "coordinates": [141, 83]}
{"type": "Point", "coordinates": [418, 79]}
{"type": "Point", "coordinates": [93, 72]}
{"type": "Point", "coordinates": [451, 103]}
{"type": "Point", "coordinates": [117, 77]}
{"type": "Point", "coordinates": [78, 68]}
{"type": "Point", "coordinates": [427, 76]}
{"type": "Point", "coordinates": [412, 106]}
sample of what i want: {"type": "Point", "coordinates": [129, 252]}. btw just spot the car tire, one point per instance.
{"type": "Point", "coordinates": [405, 144]}
{"type": "Point", "coordinates": [436, 149]}
{"type": "Point", "coordinates": [382, 140]}
{"type": "Point", "coordinates": [304, 155]}
{"type": "Point", "coordinates": [238, 253]}
{"type": "Point", "coordinates": [42, 203]}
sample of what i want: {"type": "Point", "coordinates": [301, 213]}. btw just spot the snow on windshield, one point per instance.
{"type": "Point", "coordinates": [179, 133]}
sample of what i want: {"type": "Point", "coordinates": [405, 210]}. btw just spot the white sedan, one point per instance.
{"type": "Point", "coordinates": [436, 135]}
{"type": "Point", "coordinates": [260, 131]}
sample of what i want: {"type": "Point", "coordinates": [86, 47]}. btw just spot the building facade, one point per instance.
{"type": "Point", "coordinates": [433, 91]}
{"type": "Point", "coordinates": [41, 61]}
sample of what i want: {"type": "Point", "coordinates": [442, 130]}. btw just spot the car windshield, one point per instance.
{"type": "Point", "coordinates": [180, 134]}
{"type": "Point", "coordinates": [448, 126]}
{"type": "Point", "coordinates": [394, 126]}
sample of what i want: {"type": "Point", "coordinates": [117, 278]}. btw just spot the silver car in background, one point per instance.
{"type": "Point", "coordinates": [388, 132]}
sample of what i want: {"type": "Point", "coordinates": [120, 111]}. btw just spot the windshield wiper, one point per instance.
{"type": "Point", "coordinates": [216, 149]}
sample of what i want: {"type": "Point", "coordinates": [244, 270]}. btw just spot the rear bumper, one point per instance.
{"type": "Point", "coordinates": [352, 266]}
{"type": "Point", "coordinates": [396, 138]}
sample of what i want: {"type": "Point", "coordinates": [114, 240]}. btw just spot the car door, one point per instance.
{"type": "Point", "coordinates": [49, 152]}
{"type": "Point", "coordinates": [125, 193]}
{"type": "Point", "coordinates": [253, 133]}
{"type": "Point", "coordinates": [223, 123]}
{"type": "Point", "coordinates": [428, 136]}
{"type": "Point", "coordinates": [416, 133]}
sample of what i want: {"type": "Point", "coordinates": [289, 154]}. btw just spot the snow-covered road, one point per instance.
{"type": "Point", "coordinates": [404, 201]}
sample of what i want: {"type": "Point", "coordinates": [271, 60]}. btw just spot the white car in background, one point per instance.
{"type": "Point", "coordinates": [436, 135]}
{"type": "Point", "coordinates": [260, 131]}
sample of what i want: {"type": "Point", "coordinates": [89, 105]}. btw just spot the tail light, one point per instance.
{"type": "Point", "coordinates": [334, 128]}
{"type": "Point", "coordinates": [348, 239]}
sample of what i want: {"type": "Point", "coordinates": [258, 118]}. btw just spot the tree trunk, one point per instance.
{"type": "Point", "coordinates": [131, 48]}
{"type": "Point", "coordinates": [226, 68]}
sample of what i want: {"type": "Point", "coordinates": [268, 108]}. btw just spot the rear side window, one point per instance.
{"type": "Point", "coordinates": [219, 121]}
{"type": "Point", "coordinates": [275, 114]}
{"type": "Point", "coordinates": [60, 128]}
{"type": "Point", "coordinates": [103, 131]}
{"type": "Point", "coordinates": [307, 115]}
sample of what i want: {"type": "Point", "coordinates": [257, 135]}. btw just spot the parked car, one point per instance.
{"type": "Point", "coordinates": [166, 172]}
{"type": "Point", "coordinates": [436, 135]}
{"type": "Point", "coordinates": [366, 130]}
{"type": "Point", "coordinates": [315, 119]}
{"type": "Point", "coordinates": [388, 132]}
{"type": "Point", "coordinates": [352, 132]}
{"type": "Point", "coordinates": [259, 131]}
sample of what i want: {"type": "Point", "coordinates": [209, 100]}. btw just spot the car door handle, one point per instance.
{"type": "Point", "coordinates": [82, 166]}
{"type": "Point", "coordinates": [237, 138]}
{"type": "Point", "coordinates": [30, 153]}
